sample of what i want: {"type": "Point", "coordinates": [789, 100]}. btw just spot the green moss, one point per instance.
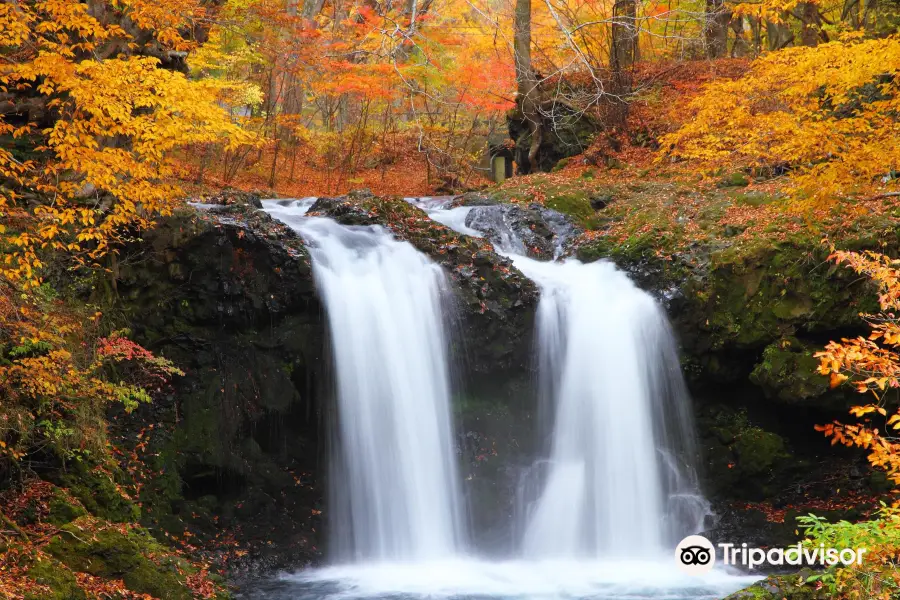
{"type": "Point", "coordinates": [467, 406]}
{"type": "Point", "coordinates": [114, 554]}
{"type": "Point", "coordinates": [571, 197]}
{"type": "Point", "coordinates": [734, 180]}
{"type": "Point", "coordinates": [576, 204]}
{"type": "Point", "coordinates": [759, 451]}
{"type": "Point", "coordinates": [61, 581]}
{"type": "Point", "coordinates": [756, 292]}
{"type": "Point", "coordinates": [788, 372]}
{"type": "Point", "coordinates": [98, 493]}
{"type": "Point", "coordinates": [744, 460]}
{"type": "Point", "coordinates": [561, 164]}
{"type": "Point", "coordinates": [63, 511]}
{"type": "Point", "coordinates": [792, 586]}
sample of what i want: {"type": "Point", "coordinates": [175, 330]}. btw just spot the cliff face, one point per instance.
{"type": "Point", "coordinates": [229, 296]}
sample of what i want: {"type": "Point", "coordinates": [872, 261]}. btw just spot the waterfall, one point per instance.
{"type": "Point", "coordinates": [394, 491]}
{"type": "Point", "coordinates": [615, 487]}
{"type": "Point", "coordinates": [616, 482]}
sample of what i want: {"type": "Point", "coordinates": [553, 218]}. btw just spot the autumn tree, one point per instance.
{"type": "Point", "coordinates": [92, 126]}
{"type": "Point", "coordinates": [827, 113]}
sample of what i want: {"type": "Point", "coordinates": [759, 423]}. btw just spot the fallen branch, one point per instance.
{"type": "Point", "coordinates": [881, 196]}
{"type": "Point", "coordinates": [10, 523]}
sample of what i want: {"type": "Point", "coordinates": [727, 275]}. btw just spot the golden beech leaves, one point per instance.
{"type": "Point", "coordinates": [106, 162]}
{"type": "Point", "coordinates": [828, 113]}
{"type": "Point", "coordinates": [872, 366]}
{"type": "Point", "coordinates": [102, 122]}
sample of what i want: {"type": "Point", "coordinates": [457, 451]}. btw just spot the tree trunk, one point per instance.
{"type": "Point", "coordinates": [741, 46]}
{"type": "Point", "coordinates": [528, 97]}
{"type": "Point", "coordinates": [716, 28]}
{"type": "Point", "coordinates": [850, 13]}
{"type": "Point", "coordinates": [870, 15]}
{"type": "Point", "coordinates": [623, 53]}
{"type": "Point", "coordinates": [624, 47]}
{"type": "Point", "coordinates": [810, 23]}
{"type": "Point", "coordinates": [779, 35]}
{"type": "Point", "coordinates": [311, 8]}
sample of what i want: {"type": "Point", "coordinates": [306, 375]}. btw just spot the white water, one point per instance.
{"type": "Point", "coordinates": [513, 580]}
{"type": "Point", "coordinates": [615, 491]}
{"type": "Point", "coordinates": [438, 209]}
{"type": "Point", "coordinates": [617, 485]}
{"type": "Point", "coordinates": [394, 493]}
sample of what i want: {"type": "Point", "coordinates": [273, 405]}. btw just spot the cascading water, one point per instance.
{"type": "Point", "coordinates": [616, 484]}
{"type": "Point", "coordinates": [615, 489]}
{"type": "Point", "coordinates": [394, 484]}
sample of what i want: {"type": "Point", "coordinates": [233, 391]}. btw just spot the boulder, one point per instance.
{"type": "Point", "coordinates": [533, 230]}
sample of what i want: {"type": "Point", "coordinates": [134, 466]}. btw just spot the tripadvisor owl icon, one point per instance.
{"type": "Point", "coordinates": [695, 555]}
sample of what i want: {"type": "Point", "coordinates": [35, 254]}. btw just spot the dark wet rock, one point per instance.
{"type": "Point", "coordinates": [496, 447]}
{"type": "Point", "coordinates": [533, 230]}
{"type": "Point", "coordinates": [496, 302]}
{"type": "Point", "coordinates": [568, 132]}
{"type": "Point", "coordinates": [230, 197]}
{"type": "Point", "coordinates": [227, 294]}
{"type": "Point", "coordinates": [474, 199]}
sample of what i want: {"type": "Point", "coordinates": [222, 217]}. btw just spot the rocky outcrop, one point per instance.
{"type": "Point", "coordinates": [567, 132]}
{"type": "Point", "coordinates": [532, 230]}
{"type": "Point", "coordinates": [750, 316]}
{"type": "Point", "coordinates": [492, 346]}
{"type": "Point", "coordinates": [228, 296]}
{"type": "Point", "coordinates": [82, 548]}
{"type": "Point", "coordinates": [496, 302]}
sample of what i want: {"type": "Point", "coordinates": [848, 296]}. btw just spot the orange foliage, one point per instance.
{"type": "Point", "coordinates": [872, 366]}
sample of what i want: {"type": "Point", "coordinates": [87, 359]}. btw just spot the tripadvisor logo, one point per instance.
{"type": "Point", "coordinates": [696, 555]}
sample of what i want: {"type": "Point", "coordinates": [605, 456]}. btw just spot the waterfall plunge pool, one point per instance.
{"type": "Point", "coordinates": [463, 578]}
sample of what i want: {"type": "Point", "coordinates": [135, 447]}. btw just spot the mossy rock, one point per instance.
{"type": "Point", "coordinates": [561, 164]}
{"type": "Point", "coordinates": [759, 451]}
{"type": "Point", "coordinates": [783, 587]}
{"type": "Point", "coordinates": [788, 372]}
{"type": "Point", "coordinates": [60, 581]}
{"type": "Point", "coordinates": [734, 180]}
{"type": "Point", "coordinates": [98, 493]}
{"type": "Point", "coordinates": [496, 301]}
{"type": "Point", "coordinates": [575, 198]}
{"type": "Point", "coordinates": [572, 133]}
{"type": "Point", "coordinates": [754, 198]}
{"type": "Point", "coordinates": [63, 510]}
{"type": "Point", "coordinates": [750, 295]}
{"type": "Point", "coordinates": [124, 554]}
{"type": "Point", "coordinates": [743, 459]}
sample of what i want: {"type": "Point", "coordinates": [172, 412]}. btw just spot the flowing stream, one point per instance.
{"type": "Point", "coordinates": [603, 509]}
{"type": "Point", "coordinates": [394, 491]}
